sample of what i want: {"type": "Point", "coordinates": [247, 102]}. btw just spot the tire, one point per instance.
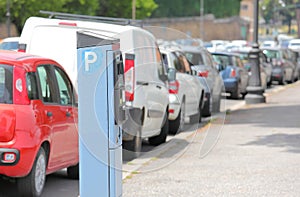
{"type": "Point", "coordinates": [236, 94]}
{"type": "Point", "coordinates": [161, 138]}
{"type": "Point", "coordinates": [33, 184]}
{"type": "Point", "coordinates": [206, 109]}
{"type": "Point", "coordinates": [217, 104]}
{"type": "Point", "coordinates": [73, 172]}
{"type": "Point", "coordinates": [200, 114]}
{"type": "Point", "coordinates": [132, 148]}
{"type": "Point", "coordinates": [175, 126]}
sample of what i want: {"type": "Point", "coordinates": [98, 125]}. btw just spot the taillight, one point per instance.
{"type": "Point", "coordinates": [173, 87]}
{"type": "Point", "coordinates": [203, 73]}
{"type": "Point", "coordinates": [129, 74]}
{"type": "Point", "coordinates": [22, 48]}
{"type": "Point", "coordinates": [19, 87]}
{"type": "Point", "coordinates": [232, 73]}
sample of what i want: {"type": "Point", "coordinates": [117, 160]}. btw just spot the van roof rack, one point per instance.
{"type": "Point", "coordinates": [110, 20]}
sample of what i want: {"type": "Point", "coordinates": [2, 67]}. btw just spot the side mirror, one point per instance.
{"type": "Point", "coordinates": [172, 74]}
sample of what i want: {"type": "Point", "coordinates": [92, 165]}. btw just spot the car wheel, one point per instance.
{"type": "Point", "coordinates": [132, 148]}
{"type": "Point", "coordinates": [207, 108]}
{"type": "Point", "coordinates": [73, 172]}
{"type": "Point", "coordinates": [161, 138]}
{"type": "Point", "coordinates": [33, 183]}
{"type": "Point", "coordinates": [236, 94]}
{"type": "Point", "coordinates": [217, 104]}
{"type": "Point", "coordinates": [200, 113]}
{"type": "Point", "coordinates": [175, 126]}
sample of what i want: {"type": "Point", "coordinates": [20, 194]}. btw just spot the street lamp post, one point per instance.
{"type": "Point", "coordinates": [8, 17]}
{"type": "Point", "coordinates": [202, 19]}
{"type": "Point", "coordinates": [254, 89]}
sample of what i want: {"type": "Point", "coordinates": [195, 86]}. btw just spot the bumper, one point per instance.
{"type": "Point", "coordinates": [24, 148]}
{"type": "Point", "coordinates": [133, 124]}
{"type": "Point", "coordinates": [174, 107]}
{"type": "Point", "coordinates": [230, 85]}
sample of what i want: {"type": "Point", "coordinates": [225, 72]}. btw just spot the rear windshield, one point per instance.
{"type": "Point", "coordinates": [194, 58]}
{"type": "Point", "coordinates": [272, 53]}
{"type": "Point", "coordinates": [6, 80]}
{"type": "Point", "coordinates": [223, 60]}
{"type": "Point", "coordinates": [9, 45]}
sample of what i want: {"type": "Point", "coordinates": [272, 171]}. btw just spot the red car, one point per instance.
{"type": "Point", "coordinates": [38, 116]}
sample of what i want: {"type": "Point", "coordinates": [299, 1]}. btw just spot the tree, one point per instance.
{"type": "Point", "coordinates": [123, 8]}
{"type": "Point", "coordinates": [278, 11]}
{"type": "Point", "coordinates": [22, 9]}
{"type": "Point", "coordinates": [179, 8]}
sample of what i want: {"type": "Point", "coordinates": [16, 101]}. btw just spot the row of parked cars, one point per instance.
{"type": "Point", "coordinates": [165, 87]}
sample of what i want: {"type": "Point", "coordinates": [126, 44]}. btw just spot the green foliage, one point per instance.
{"type": "Point", "coordinates": [123, 8]}
{"type": "Point", "coordinates": [22, 9]}
{"type": "Point", "coordinates": [179, 8]}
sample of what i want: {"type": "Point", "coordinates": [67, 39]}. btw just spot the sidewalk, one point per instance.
{"type": "Point", "coordinates": [256, 152]}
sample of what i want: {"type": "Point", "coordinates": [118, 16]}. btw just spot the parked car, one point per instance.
{"type": "Point", "coordinates": [146, 81]}
{"type": "Point", "coordinates": [206, 70]}
{"type": "Point", "coordinates": [233, 72]}
{"type": "Point", "coordinates": [185, 93]}
{"type": "Point", "coordinates": [10, 43]}
{"type": "Point", "coordinates": [294, 44]}
{"type": "Point", "coordinates": [265, 66]}
{"type": "Point", "coordinates": [283, 69]}
{"type": "Point", "coordinates": [38, 113]}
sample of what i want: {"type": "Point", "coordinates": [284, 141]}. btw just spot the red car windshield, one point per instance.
{"type": "Point", "coordinates": [6, 84]}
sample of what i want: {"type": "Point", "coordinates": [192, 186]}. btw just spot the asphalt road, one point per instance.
{"type": "Point", "coordinates": [58, 185]}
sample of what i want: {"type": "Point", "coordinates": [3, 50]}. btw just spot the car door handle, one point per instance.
{"type": "Point", "coordinates": [143, 83]}
{"type": "Point", "coordinates": [49, 114]}
{"type": "Point", "coordinates": [68, 114]}
{"type": "Point", "coordinates": [159, 87]}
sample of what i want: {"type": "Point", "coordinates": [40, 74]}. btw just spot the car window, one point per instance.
{"type": "Point", "coordinates": [64, 87]}
{"type": "Point", "coordinates": [6, 84]}
{"type": "Point", "coordinates": [208, 59]}
{"type": "Point", "coordinates": [177, 64]}
{"type": "Point", "coordinates": [222, 60]}
{"type": "Point", "coordinates": [31, 83]}
{"type": "Point", "coordinates": [9, 45]}
{"type": "Point", "coordinates": [162, 71]}
{"type": "Point", "coordinates": [46, 84]}
{"type": "Point", "coordinates": [195, 58]}
{"type": "Point", "coordinates": [184, 62]}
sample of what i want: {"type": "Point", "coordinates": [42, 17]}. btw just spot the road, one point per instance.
{"type": "Point", "coordinates": [58, 185]}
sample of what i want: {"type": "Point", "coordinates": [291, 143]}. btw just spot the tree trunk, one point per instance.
{"type": "Point", "coordinates": [298, 19]}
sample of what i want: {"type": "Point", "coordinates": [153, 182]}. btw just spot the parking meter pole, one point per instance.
{"type": "Point", "coordinates": [254, 89]}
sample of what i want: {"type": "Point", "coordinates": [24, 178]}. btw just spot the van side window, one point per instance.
{"type": "Point", "coordinates": [161, 69]}
{"type": "Point", "coordinates": [6, 81]}
{"type": "Point", "coordinates": [31, 86]}
{"type": "Point", "coordinates": [64, 87]}
{"type": "Point", "coordinates": [47, 90]}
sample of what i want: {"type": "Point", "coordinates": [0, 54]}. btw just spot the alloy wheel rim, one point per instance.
{"type": "Point", "coordinates": [40, 174]}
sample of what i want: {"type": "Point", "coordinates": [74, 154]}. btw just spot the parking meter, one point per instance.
{"type": "Point", "coordinates": [101, 102]}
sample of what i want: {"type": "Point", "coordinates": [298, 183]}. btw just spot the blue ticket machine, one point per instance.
{"type": "Point", "coordinates": [101, 113]}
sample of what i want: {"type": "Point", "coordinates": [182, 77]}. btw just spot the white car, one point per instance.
{"type": "Point", "coordinates": [146, 89]}
{"type": "Point", "coordinates": [186, 92]}
{"type": "Point", "coordinates": [294, 44]}
{"type": "Point", "coordinates": [206, 70]}
{"type": "Point", "coordinates": [10, 43]}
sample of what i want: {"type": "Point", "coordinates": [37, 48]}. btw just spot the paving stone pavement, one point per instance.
{"type": "Point", "coordinates": [254, 151]}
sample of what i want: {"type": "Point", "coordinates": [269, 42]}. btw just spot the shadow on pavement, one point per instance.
{"type": "Point", "coordinates": [289, 141]}
{"type": "Point", "coordinates": [270, 116]}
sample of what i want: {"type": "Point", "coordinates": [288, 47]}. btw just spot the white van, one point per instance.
{"type": "Point", "coordinates": [145, 82]}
